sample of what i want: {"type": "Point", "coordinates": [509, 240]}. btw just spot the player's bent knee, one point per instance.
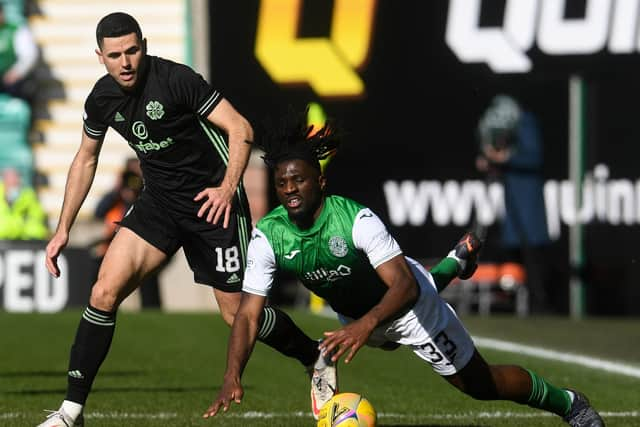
{"type": "Point", "coordinates": [476, 386]}
{"type": "Point", "coordinates": [481, 392]}
{"type": "Point", "coordinates": [389, 346]}
{"type": "Point", "coordinates": [228, 303]}
{"type": "Point", "coordinates": [228, 317]}
{"type": "Point", "coordinates": [102, 299]}
{"type": "Point", "coordinates": [227, 311]}
{"type": "Point", "coordinates": [105, 297]}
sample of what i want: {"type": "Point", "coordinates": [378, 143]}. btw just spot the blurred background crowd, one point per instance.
{"type": "Point", "coordinates": [457, 130]}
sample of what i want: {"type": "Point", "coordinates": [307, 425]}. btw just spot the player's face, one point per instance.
{"type": "Point", "coordinates": [122, 57]}
{"type": "Point", "coordinates": [299, 187]}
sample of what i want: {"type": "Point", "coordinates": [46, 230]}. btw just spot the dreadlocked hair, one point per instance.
{"type": "Point", "coordinates": [293, 138]}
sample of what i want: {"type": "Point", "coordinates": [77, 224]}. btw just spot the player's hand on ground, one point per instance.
{"type": "Point", "coordinates": [54, 247]}
{"type": "Point", "coordinates": [348, 339]}
{"type": "Point", "coordinates": [231, 392]}
{"type": "Point", "coordinates": [217, 201]}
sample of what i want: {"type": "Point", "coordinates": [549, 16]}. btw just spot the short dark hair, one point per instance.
{"type": "Point", "coordinates": [117, 24]}
{"type": "Point", "coordinates": [294, 138]}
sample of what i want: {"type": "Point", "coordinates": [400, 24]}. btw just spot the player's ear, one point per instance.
{"type": "Point", "coordinates": [100, 56]}
{"type": "Point", "coordinates": [322, 180]}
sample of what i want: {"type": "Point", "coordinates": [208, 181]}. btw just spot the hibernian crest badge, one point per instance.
{"type": "Point", "coordinates": [338, 246]}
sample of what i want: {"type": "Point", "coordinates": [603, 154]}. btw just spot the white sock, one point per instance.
{"type": "Point", "coordinates": [321, 363]}
{"type": "Point", "coordinates": [571, 395]}
{"type": "Point", "coordinates": [72, 409]}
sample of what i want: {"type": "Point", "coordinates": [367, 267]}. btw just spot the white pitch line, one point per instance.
{"type": "Point", "coordinates": [390, 415]}
{"type": "Point", "coordinates": [128, 415]}
{"type": "Point", "coordinates": [302, 414]}
{"type": "Point", "coordinates": [496, 415]}
{"type": "Point", "coordinates": [576, 359]}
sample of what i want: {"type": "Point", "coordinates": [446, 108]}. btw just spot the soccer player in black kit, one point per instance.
{"type": "Point", "coordinates": [193, 147]}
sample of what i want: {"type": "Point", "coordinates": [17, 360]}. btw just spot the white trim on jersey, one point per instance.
{"type": "Point", "coordinates": [261, 265]}
{"type": "Point", "coordinates": [370, 235]}
{"type": "Point", "coordinates": [93, 133]}
{"type": "Point", "coordinates": [207, 104]}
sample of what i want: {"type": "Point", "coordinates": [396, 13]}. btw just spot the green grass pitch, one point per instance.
{"type": "Point", "coordinates": [165, 369]}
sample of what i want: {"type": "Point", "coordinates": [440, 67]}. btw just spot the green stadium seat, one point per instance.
{"type": "Point", "coordinates": [15, 150]}
{"type": "Point", "coordinates": [15, 118]}
{"type": "Point", "coordinates": [14, 11]}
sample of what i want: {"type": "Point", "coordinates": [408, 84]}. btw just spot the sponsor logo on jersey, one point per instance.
{"type": "Point", "coordinates": [139, 130]}
{"type": "Point", "coordinates": [153, 146]}
{"type": "Point", "coordinates": [292, 254]}
{"type": "Point", "coordinates": [119, 117]}
{"type": "Point", "coordinates": [155, 110]}
{"type": "Point", "coordinates": [324, 275]}
{"type": "Point", "coordinates": [338, 246]}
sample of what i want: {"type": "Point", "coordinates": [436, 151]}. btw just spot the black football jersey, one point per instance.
{"type": "Point", "coordinates": [164, 121]}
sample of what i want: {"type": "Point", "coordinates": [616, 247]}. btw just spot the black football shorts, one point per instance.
{"type": "Point", "coordinates": [216, 255]}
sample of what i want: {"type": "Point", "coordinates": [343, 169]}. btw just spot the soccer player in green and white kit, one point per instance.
{"type": "Point", "coordinates": [341, 250]}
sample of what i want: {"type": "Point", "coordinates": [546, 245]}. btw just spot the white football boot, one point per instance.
{"type": "Point", "coordinates": [324, 383]}
{"type": "Point", "coordinates": [60, 418]}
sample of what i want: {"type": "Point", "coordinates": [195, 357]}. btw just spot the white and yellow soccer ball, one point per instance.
{"type": "Point", "coordinates": [347, 410]}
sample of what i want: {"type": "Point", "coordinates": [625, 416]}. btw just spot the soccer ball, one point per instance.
{"type": "Point", "coordinates": [347, 410]}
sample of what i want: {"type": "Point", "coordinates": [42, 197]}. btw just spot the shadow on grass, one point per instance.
{"type": "Point", "coordinates": [48, 374]}
{"type": "Point", "coordinates": [429, 425]}
{"type": "Point", "coordinates": [150, 389]}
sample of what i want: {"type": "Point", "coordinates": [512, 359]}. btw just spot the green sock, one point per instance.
{"type": "Point", "coordinates": [548, 397]}
{"type": "Point", "coordinates": [444, 272]}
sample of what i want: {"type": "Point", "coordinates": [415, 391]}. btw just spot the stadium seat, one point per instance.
{"type": "Point", "coordinates": [513, 279]}
{"type": "Point", "coordinates": [14, 11]}
{"type": "Point", "coordinates": [15, 119]}
{"type": "Point", "coordinates": [492, 286]}
{"type": "Point", "coordinates": [485, 278]}
{"type": "Point", "coordinates": [19, 158]}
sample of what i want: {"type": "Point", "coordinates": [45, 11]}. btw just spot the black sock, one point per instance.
{"type": "Point", "coordinates": [93, 339]}
{"type": "Point", "coordinates": [277, 330]}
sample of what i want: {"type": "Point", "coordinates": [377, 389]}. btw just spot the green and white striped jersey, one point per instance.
{"type": "Point", "coordinates": [336, 258]}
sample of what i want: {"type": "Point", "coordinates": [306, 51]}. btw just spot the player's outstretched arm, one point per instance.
{"type": "Point", "coordinates": [217, 201]}
{"type": "Point", "coordinates": [79, 180]}
{"type": "Point", "coordinates": [402, 294]}
{"type": "Point", "coordinates": [244, 332]}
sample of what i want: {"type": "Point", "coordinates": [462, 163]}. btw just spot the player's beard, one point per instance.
{"type": "Point", "coordinates": [307, 213]}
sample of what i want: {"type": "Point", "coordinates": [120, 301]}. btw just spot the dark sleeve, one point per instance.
{"type": "Point", "coordinates": [93, 125]}
{"type": "Point", "coordinates": [192, 90]}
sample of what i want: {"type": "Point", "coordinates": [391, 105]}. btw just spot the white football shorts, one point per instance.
{"type": "Point", "coordinates": [431, 328]}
